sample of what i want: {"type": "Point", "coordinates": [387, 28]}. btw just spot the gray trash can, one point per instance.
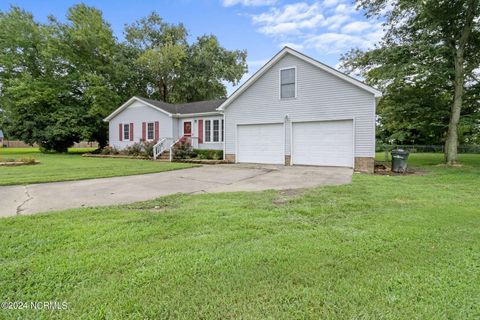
{"type": "Point", "coordinates": [399, 160]}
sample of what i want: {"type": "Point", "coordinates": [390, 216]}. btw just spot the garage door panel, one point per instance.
{"type": "Point", "coordinates": [323, 143]}
{"type": "Point", "coordinates": [260, 143]}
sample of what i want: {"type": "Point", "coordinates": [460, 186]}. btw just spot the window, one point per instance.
{"type": "Point", "coordinates": [287, 83]}
{"type": "Point", "coordinates": [208, 130]}
{"type": "Point", "coordinates": [216, 131]}
{"type": "Point", "coordinates": [126, 132]}
{"type": "Point", "coordinates": [150, 131]}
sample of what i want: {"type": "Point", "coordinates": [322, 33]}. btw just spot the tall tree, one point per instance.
{"type": "Point", "coordinates": [429, 43]}
{"type": "Point", "coordinates": [176, 71]}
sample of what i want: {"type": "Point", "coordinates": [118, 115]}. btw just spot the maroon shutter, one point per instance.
{"type": "Point", "coordinates": [120, 132]}
{"type": "Point", "coordinates": [200, 131]}
{"type": "Point", "coordinates": [144, 131]}
{"type": "Point", "coordinates": [131, 131]}
{"type": "Point", "coordinates": [157, 129]}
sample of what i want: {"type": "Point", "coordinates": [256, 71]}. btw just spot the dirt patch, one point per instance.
{"type": "Point", "coordinates": [383, 168]}
{"type": "Point", "coordinates": [285, 196]}
{"type": "Point", "coordinates": [17, 163]}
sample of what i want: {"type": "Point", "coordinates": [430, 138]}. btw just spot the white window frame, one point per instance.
{"type": "Point", "coordinates": [125, 126]}
{"type": "Point", "coordinates": [220, 131]}
{"type": "Point", "coordinates": [280, 83]}
{"type": "Point", "coordinates": [153, 131]}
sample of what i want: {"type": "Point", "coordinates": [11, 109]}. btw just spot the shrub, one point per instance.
{"type": "Point", "coordinates": [183, 150]}
{"type": "Point", "coordinates": [134, 150]}
{"type": "Point", "coordinates": [209, 154]}
{"type": "Point", "coordinates": [148, 148]}
{"type": "Point", "coordinates": [28, 160]}
{"type": "Point", "coordinates": [108, 150]}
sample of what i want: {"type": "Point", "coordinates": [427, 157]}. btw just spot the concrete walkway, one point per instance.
{"type": "Point", "coordinates": [34, 198]}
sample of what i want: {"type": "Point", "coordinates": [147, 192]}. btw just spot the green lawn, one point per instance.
{"type": "Point", "coordinates": [380, 248]}
{"type": "Point", "coordinates": [72, 166]}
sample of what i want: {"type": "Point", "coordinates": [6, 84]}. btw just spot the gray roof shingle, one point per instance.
{"type": "Point", "coordinates": [186, 108]}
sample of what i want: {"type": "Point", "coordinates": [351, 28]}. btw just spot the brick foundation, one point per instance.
{"type": "Point", "coordinates": [230, 157]}
{"type": "Point", "coordinates": [364, 164]}
{"type": "Point", "coordinates": [287, 160]}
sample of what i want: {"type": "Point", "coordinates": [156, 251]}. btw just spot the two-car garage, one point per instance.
{"type": "Point", "coordinates": [319, 143]}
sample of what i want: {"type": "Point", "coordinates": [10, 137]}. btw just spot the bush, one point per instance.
{"type": "Point", "coordinates": [183, 150]}
{"type": "Point", "coordinates": [148, 148]}
{"type": "Point", "coordinates": [209, 154]}
{"type": "Point", "coordinates": [134, 150]}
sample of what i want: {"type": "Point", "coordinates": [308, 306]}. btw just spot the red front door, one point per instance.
{"type": "Point", "coordinates": [187, 128]}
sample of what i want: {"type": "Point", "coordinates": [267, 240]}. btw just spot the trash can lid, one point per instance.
{"type": "Point", "coordinates": [400, 152]}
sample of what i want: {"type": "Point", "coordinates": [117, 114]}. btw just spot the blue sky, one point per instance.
{"type": "Point", "coordinates": [322, 29]}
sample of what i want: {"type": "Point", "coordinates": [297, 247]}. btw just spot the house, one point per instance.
{"type": "Point", "coordinates": [293, 111]}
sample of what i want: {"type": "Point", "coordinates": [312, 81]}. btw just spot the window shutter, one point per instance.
{"type": "Point", "coordinates": [157, 129]}
{"type": "Point", "coordinates": [120, 132]}
{"type": "Point", "coordinates": [131, 131]}
{"type": "Point", "coordinates": [144, 131]}
{"type": "Point", "coordinates": [200, 131]}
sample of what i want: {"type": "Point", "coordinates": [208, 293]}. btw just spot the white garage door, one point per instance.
{"type": "Point", "coordinates": [261, 143]}
{"type": "Point", "coordinates": [323, 143]}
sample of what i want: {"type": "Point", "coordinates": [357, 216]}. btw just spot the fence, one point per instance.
{"type": "Point", "coordinates": [426, 148]}
{"type": "Point", "coordinates": [21, 144]}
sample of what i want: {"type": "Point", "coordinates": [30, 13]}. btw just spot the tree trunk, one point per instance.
{"type": "Point", "coordinates": [451, 144]}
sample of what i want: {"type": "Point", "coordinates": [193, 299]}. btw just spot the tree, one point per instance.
{"type": "Point", "coordinates": [176, 71]}
{"type": "Point", "coordinates": [428, 44]}
{"type": "Point", "coordinates": [57, 79]}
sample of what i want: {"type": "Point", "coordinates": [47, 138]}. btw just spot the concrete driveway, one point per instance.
{"type": "Point", "coordinates": [34, 198]}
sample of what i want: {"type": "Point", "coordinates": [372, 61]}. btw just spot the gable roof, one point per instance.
{"type": "Point", "coordinates": [280, 55]}
{"type": "Point", "coordinates": [172, 109]}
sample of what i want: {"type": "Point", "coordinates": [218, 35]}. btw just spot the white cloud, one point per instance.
{"type": "Point", "coordinates": [330, 3]}
{"type": "Point", "coordinates": [328, 26]}
{"type": "Point", "coordinates": [290, 19]}
{"type": "Point", "coordinates": [295, 46]}
{"type": "Point", "coordinates": [248, 3]}
{"type": "Point", "coordinates": [356, 27]}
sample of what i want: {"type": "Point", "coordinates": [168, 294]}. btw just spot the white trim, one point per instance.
{"type": "Point", "coordinates": [224, 135]}
{"type": "Point", "coordinates": [187, 115]}
{"type": "Point", "coordinates": [128, 103]}
{"type": "Point", "coordinates": [324, 120]}
{"type": "Point", "coordinates": [146, 130]}
{"type": "Point", "coordinates": [211, 130]}
{"type": "Point", "coordinates": [280, 83]}
{"type": "Point", "coordinates": [281, 54]}
{"type": "Point", "coordinates": [126, 125]}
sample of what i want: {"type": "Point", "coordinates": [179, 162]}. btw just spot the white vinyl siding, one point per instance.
{"type": "Point", "coordinates": [320, 96]}
{"type": "Point", "coordinates": [137, 113]}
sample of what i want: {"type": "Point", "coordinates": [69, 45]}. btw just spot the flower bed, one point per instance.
{"type": "Point", "coordinates": [18, 162]}
{"type": "Point", "coordinates": [121, 156]}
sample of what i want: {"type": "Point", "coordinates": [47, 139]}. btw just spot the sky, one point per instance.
{"type": "Point", "coordinates": [322, 29]}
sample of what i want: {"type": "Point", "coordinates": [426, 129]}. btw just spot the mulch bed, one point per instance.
{"type": "Point", "coordinates": [118, 156]}
{"type": "Point", "coordinates": [383, 168]}
{"type": "Point", "coordinates": [203, 161]}
{"type": "Point", "coordinates": [18, 163]}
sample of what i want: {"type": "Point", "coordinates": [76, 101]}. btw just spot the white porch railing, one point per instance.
{"type": "Point", "coordinates": [161, 146]}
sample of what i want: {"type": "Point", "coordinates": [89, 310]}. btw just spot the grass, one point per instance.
{"type": "Point", "coordinates": [403, 247]}
{"type": "Point", "coordinates": [72, 166]}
